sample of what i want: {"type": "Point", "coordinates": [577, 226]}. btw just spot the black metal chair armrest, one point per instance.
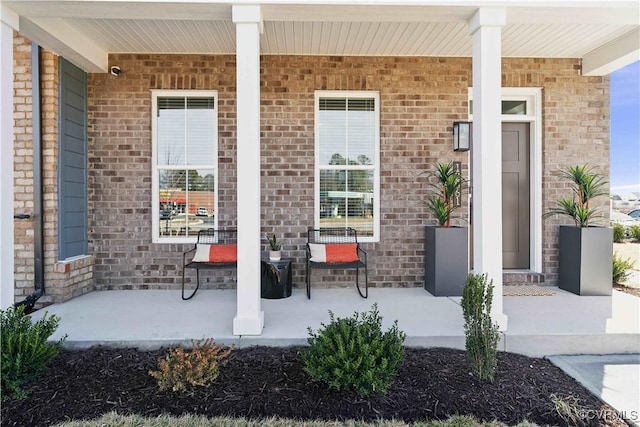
{"type": "Point", "coordinates": [363, 253]}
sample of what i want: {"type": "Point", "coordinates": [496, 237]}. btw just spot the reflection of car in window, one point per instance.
{"type": "Point", "coordinates": [165, 214]}
{"type": "Point", "coordinates": [202, 212]}
{"type": "Point", "coordinates": [635, 214]}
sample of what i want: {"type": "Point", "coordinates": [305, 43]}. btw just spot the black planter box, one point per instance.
{"type": "Point", "coordinates": [446, 260]}
{"type": "Point", "coordinates": [273, 287]}
{"type": "Point", "coordinates": [586, 260]}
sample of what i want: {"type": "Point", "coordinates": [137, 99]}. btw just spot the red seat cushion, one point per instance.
{"type": "Point", "coordinates": [216, 253]}
{"type": "Point", "coordinates": [334, 253]}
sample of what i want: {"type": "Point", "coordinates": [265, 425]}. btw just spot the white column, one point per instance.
{"type": "Point", "coordinates": [8, 21]}
{"type": "Point", "coordinates": [485, 29]}
{"type": "Point", "coordinates": [249, 318]}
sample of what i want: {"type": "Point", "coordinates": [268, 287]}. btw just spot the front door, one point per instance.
{"type": "Point", "coordinates": [515, 196]}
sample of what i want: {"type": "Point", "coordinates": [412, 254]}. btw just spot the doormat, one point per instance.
{"type": "Point", "coordinates": [526, 291]}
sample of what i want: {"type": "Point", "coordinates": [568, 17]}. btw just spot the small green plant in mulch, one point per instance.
{"type": "Point", "coordinates": [619, 233]}
{"type": "Point", "coordinates": [568, 408]}
{"type": "Point", "coordinates": [200, 366]}
{"type": "Point", "coordinates": [621, 268]}
{"type": "Point", "coordinates": [634, 231]}
{"type": "Point", "coordinates": [354, 353]}
{"type": "Point", "coordinates": [25, 352]}
{"type": "Point", "coordinates": [481, 333]}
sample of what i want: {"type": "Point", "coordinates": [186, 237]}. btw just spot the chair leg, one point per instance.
{"type": "Point", "coordinates": [366, 282]}
{"type": "Point", "coordinates": [197, 284]}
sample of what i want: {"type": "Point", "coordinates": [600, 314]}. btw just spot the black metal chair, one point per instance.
{"type": "Point", "coordinates": [209, 236]}
{"type": "Point", "coordinates": [336, 236]}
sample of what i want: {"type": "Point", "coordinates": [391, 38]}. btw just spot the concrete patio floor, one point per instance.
{"type": "Point", "coordinates": [538, 325]}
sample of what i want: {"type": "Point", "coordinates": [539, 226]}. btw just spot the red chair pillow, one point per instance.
{"type": "Point", "coordinates": [216, 253]}
{"type": "Point", "coordinates": [337, 252]}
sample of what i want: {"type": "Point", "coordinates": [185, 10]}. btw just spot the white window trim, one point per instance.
{"type": "Point", "coordinates": [533, 97]}
{"type": "Point", "coordinates": [155, 193]}
{"type": "Point", "coordinates": [375, 95]}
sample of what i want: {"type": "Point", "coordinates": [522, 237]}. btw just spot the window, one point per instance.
{"type": "Point", "coordinates": [185, 164]}
{"type": "Point", "coordinates": [347, 171]}
{"type": "Point", "coordinates": [512, 107]}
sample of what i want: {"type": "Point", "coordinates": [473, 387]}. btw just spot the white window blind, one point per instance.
{"type": "Point", "coordinates": [185, 164]}
{"type": "Point", "coordinates": [347, 167]}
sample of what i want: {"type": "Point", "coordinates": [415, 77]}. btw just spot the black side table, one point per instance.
{"type": "Point", "coordinates": [275, 285]}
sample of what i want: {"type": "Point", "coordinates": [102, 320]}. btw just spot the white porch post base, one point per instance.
{"type": "Point", "coordinates": [249, 319]}
{"type": "Point", "coordinates": [485, 29]}
{"type": "Point", "coordinates": [8, 21]}
{"type": "Point", "coordinates": [248, 325]}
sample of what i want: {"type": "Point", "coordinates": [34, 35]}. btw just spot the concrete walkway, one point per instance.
{"type": "Point", "coordinates": [614, 378]}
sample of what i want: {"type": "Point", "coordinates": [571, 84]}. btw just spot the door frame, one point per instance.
{"type": "Point", "coordinates": [533, 116]}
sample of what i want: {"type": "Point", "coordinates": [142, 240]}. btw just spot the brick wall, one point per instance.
{"type": "Point", "coordinates": [63, 279]}
{"type": "Point", "coordinates": [420, 98]}
{"type": "Point", "coordinates": [23, 167]}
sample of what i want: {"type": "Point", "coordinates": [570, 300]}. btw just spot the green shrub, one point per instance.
{"type": "Point", "coordinates": [621, 268]}
{"type": "Point", "coordinates": [635, 232]}
{"type": "Point", "coordinates": [25, 352]}
{"type": "Point", "coordinates": [480, 331]}
{"type": "Point", "coordinates": [619, 233]}
{"type": "Point", "coordinates": [354, 353]}
{"type": "Point", "coordinates": [180, 369]}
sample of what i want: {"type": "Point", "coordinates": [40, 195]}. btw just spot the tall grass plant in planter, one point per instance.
{"type": "Point", "coordinates": [446, 262]}
{"type": "Point", "coordinates": [586, 250]}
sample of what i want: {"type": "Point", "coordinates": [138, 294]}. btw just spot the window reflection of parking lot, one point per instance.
{"type": "Point", "coordinates": [176, 225]}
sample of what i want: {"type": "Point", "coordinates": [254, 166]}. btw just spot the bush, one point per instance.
{"type": "Point", "coordinates": [354, 353]}
{"type": "Point", "coordinates": [634, 230]}
{"type": "Point", "coordinates": [619, 233]}
{"type": "Point", "coordinates": [481, 333]}
{"type": "Point", "coordinates": [621, 268]}
{"type": "Point", "coordinates": [180, 369]}
{"type": "Point", "coordinates": [25, 352]}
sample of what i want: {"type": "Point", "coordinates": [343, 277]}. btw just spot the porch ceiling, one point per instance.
{"type": "Point", "coordinates": [560, 29]}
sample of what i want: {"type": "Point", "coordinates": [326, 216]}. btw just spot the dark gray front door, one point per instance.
{"type": "Point", "coordinates": [515, 196]}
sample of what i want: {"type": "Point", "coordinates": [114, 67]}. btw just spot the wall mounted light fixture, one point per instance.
{"type": "Point", "coordinates": [461, 136]}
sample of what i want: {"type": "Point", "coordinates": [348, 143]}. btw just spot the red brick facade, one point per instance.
{"type": "Point", "coordinates": [419, 97]}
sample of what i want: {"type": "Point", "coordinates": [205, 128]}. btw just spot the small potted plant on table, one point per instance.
{"type": "Point", "coordinates": [446, 250]}
{"type": "Point", "coordinates": [586, 251]}
{"type": "Point", "coordinates": [274, 248]}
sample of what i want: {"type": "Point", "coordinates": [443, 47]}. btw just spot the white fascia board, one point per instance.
{"type": "Point", "coordinates": [9, 17]}
{"type": "Point", "coordinates": [612, 56]}
{"type": "Point", "coordinates": [58, 36]}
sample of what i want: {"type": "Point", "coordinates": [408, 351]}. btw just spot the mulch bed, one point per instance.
{"type": "Point", "coordinates": [258, 382]}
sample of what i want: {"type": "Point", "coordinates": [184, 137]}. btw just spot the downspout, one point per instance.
{"type": "Point", "coordinates": [38, 196]}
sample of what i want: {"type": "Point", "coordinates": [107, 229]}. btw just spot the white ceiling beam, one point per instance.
{"type": "Point", "coordinates": [612, 56]}
{"type": "Point", "coordinates": [58, 36]}
{"type": "Point", "coordinates": [9, 17]}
